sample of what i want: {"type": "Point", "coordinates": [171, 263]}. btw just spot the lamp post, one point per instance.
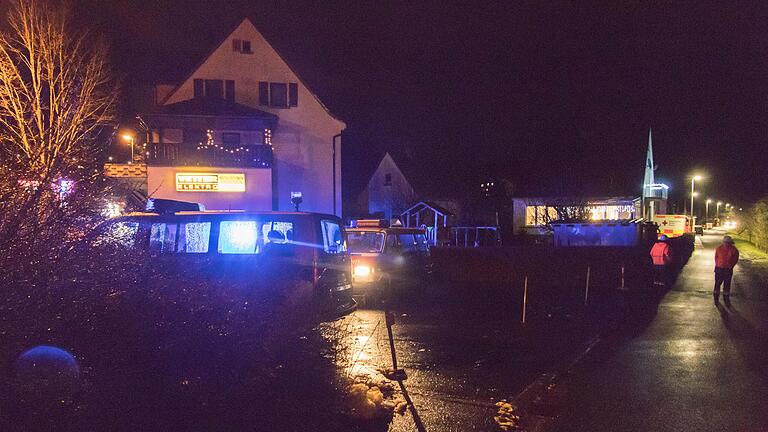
{"type": "Point", "coordinates": [717, 211]}
{"type": "Point", "coordinates": [693, 185]}
{"type": "Point", "coordinates": [706, 210]}
{"type": "Point", "coordinates": [130, 138]}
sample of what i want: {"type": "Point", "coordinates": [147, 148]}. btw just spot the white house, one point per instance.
{"type": "Point", "coordinates": [388, 191]}
{"type": "Point", "coordinates": [242, 131]}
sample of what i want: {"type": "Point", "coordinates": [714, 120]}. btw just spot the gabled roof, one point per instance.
{"type": "Point", "coordinates": [421, 205]}
{"type": "Point", "coordinates": [215, 47]}
{"type": "Point", "coordinates": [410, 168]}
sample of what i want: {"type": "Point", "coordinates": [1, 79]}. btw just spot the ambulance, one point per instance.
{"type": "Point", "coordinates": [672, 225]}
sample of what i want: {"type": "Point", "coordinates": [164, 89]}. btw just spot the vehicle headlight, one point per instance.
{"type": "Point", "coordinates": [362, 271]}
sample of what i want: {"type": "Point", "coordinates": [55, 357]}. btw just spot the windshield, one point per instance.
{"type": "Point", "coordinates": [365, 241]}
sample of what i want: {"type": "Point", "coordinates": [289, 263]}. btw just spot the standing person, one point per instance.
{"type": "Point", "coordinates": [726, 257]}
{"type": "Point", "coordinates": [661, 254]}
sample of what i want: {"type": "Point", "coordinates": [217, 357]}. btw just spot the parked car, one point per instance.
{"type": "Point", "coordinates": [257, 249]}
{"type": "Point", "coordinates": [386, 257]}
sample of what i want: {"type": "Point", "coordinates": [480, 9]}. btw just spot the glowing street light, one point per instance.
{"type": "Point", "coordinates": [706, 210]}
{"type": "Point", "coordinates": [129, 138]}
{"type": "Point", "coordinates": [717, 210]}
{"type": "Point", "coordinates": [693, 194]}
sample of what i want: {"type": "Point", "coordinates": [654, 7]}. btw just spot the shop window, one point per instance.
{"type": "Point", "coordinates": [194, 237]}
{"type": "Point", "coordinates": [238, 237]}
{"type": "Point", "coordinates": [530, 216]}
{"type": "Point", "coordinates": [278, 95]}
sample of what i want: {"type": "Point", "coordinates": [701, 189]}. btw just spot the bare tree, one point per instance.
{"type": "Point", "coordinates": [56, 97]}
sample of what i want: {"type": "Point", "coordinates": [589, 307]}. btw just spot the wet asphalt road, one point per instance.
{"type": "Point", "coordinates": [461, 358]}
{"type": "Point", "coordinates": [694, 367]}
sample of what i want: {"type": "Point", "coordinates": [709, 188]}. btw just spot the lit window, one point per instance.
{"type": "Point", "coordinates": [162, 237]}
{"type": "Point", "coordinates": [238, 237]}
{"type": "Point", "coordinates": [333, 241]}
{"type": "Point", "coordinates": [194, 237]}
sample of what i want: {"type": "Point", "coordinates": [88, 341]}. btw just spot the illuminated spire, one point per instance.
{"type": "Point", "coordinates": [648, 179]}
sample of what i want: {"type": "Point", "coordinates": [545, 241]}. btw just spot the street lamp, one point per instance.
{"type": "Point", "coordinates": [130, 138]}
{"type": "Point", "coordinates": [717, 211]}
{"type": "Point", "coordinates": [706, 210]}
{"type": "Point", "coordinates": [693, 183]}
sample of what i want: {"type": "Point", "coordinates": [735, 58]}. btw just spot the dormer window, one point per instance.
{"type": "Point", "coordinates": [241, 46]}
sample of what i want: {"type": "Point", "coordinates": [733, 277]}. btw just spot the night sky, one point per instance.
{"type": "Point", "coordinates": [556, 97]}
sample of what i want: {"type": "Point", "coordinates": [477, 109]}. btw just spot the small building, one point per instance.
{"type": "Point", "coordinates": [388, 192]}
{"type": "Point", "coordinates": [532, 215]}
{"type": "Point", "coordinates": [242, 131]}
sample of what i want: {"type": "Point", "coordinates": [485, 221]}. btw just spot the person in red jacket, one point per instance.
{"type": "Point", "coordinates": [661, 254]}
{"type": "Point", "coordinates": [726, 257]}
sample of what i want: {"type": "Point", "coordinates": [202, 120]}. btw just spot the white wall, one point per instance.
{"type": "Point", "coordinates": [302, 139]}
{"type": "Point", "coordinates": [393, 199]}
{"type": "Point", "coordinates": [161, 183]}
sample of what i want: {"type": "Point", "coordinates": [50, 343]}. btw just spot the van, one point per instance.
{"type": "Point", "coordinates": [385, 257]}
{"type": "Point", "coordinates": [253, 247]}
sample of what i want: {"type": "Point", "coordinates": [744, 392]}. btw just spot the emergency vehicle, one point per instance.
{"type": "Point", "coordinates": [672, 225]}
{"type": "Point", "coordinates": [386, 256]}
{"type": "Point", "coordinates": [257, 248]}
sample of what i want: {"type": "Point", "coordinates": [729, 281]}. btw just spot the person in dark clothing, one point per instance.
{"type": "Point", "coordinates": [726, 257]}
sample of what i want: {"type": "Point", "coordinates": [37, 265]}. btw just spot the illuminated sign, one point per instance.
{"type": "Point", "coordinates": [210, 182]}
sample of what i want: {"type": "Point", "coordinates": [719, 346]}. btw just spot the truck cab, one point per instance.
{"type": "Point", "coordinates": [387, 256]}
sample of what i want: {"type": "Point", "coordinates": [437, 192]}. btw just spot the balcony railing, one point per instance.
{"type": "Point", "coordinates": [186, 154]}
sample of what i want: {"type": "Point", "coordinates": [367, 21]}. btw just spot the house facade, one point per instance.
{"type": "Point", "coordinates": [388, 192]}
{"type": "Point", "coordinates": [243, 132]}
